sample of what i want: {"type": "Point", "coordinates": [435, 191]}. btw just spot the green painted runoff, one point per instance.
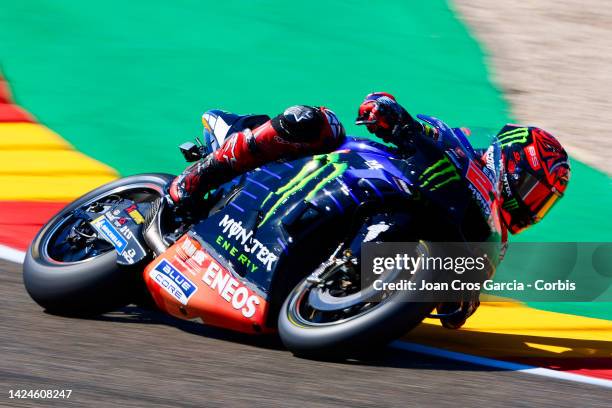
{"type": "Point", "coordinates": [126, 82]}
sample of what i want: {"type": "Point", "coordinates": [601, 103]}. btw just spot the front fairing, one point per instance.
{"type": "Point", "coordinates": [479, 175]}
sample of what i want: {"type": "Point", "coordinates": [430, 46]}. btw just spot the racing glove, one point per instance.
{"type": "Point", "coordinates": [381, 114]}
{"type": "Point", "coordinates": [387, 119]}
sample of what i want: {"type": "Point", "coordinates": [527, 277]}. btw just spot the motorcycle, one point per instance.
{"type": "Point", "coordinates": [276, 249]}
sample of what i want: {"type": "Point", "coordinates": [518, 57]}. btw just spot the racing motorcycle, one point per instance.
{"type": "Point", "coordinates": [275, 249]}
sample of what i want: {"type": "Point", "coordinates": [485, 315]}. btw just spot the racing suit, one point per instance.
{"type": "Point", "coordinates": [300, 130]}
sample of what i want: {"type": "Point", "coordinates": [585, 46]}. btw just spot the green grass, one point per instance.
{"type": "Point", "coordinates": [126, 82]}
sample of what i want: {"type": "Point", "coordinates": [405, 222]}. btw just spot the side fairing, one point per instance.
{"type": "Point", "coordinates": [256, 227]}
{"type": "Point", "coordinates": [231, 269]}
{"type": "Point", "coordinates": [224, 269]}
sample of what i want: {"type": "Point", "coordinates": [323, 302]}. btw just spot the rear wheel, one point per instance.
{"type": "Point", "coordinates": [69, 270]}
{"type": "Point", "coordinates": [330, 314]}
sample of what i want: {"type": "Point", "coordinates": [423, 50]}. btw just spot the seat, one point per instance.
{"type": "Point", "coordinates": [218, 125]}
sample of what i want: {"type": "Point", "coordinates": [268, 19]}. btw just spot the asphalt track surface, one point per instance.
{"type": "Point", "coordinates": [134, 358]}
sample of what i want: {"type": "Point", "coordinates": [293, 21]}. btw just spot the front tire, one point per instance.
{"type": "Point", "coordinates": [94, 284]}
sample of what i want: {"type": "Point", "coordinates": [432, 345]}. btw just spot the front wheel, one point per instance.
{"type": "Point", "coordinates": [69, 270]}
{"type": "Point", "coordinates": [329, 314]}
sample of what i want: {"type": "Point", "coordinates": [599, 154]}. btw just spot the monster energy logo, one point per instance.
{"type": "Point", "coordinates": [439, 174]}
{"type": "Point", "coordinates": [309, 172]}
{"type": "Point", "coordinates": [513, 136]}
{"type": "Point", "coordinates": [511, 204]}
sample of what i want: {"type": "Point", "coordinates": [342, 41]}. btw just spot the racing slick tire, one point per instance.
{"type": "Point", "coordinates": [92, 285]}
{"type": "Point", "coordinates": [387, 321]}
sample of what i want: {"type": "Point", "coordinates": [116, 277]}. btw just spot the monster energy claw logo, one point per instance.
{"type": "Point", "coordinates": [309, 172]}
{"type": "Point", "coordinates": [439, 174]}
{"type": "Point", "coordinates": [510, 137]}
{"type": "Point", "coordinates": [511, 204]}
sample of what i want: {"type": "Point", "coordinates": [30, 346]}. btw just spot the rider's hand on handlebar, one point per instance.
{"type": "Point", "coordinates": [380, 113]}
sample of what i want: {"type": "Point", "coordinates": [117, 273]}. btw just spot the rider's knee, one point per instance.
{"type": "Point", "coordinates": [300, 124]}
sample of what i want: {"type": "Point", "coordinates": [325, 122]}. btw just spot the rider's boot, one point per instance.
{"type": "Point", "coordinates": [238, 154]}
{"type": "Point", "coordinates": [186, 191]}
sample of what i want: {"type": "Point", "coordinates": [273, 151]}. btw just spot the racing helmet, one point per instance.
{"type": "Point", "coordinates": [536, 175]}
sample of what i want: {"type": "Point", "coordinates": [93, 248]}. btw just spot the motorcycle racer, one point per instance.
{"type": "Point", "coordinates": [534, 174]}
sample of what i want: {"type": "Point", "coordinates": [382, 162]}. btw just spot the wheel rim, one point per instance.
{"type": "Point", "coordinates": [72, 240]}
{"type": "Point", "coordinates": [317, 306]}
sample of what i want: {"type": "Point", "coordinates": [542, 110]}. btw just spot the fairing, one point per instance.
{"type": "Point", "coordinates": [271, 222]}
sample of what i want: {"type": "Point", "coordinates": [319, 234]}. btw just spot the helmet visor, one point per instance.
{"type": "Point", "coordinates": [537, 196]}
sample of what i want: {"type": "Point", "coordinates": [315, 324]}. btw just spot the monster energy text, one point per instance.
{"type": "Point", "coordinates": [234, 231]}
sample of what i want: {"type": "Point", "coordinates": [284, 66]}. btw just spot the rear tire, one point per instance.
{"type": "Point", "coordinates": [90, 286]}
{"type": "Point", "coordinates": [376, 327]}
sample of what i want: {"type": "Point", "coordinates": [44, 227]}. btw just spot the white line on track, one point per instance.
{"type": "Point", "coordinates": [11, 254]}
{"type": "Point", "coordinates": [503, 365]}
{"type": "Point", "coordinates": [17, 256]}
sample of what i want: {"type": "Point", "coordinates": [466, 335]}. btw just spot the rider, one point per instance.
{"type": "Point", "coordinates": [535, 173]}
